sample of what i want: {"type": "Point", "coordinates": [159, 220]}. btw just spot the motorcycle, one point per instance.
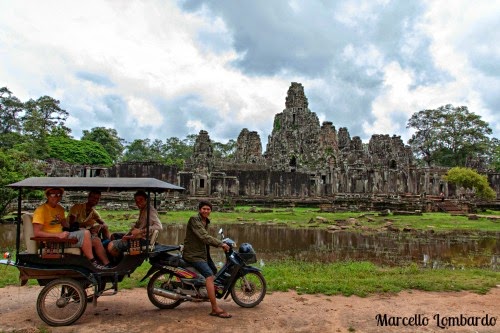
{"type": "Point", "coordinates": [173, 281]}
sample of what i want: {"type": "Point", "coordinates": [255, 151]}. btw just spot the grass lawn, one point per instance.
{"type": "Point", "coordinates": [307, 218]}
{"type": "Point", "coordinates": [346, 278]}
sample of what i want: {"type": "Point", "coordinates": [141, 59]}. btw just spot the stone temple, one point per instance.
{"type": "Point", "coordinates": [305, 161]}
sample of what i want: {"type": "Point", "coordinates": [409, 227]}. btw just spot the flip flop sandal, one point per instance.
{"type": "Point", "coordinates": [222, 314]}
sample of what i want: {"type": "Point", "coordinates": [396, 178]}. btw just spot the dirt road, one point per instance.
{"type": "Point", "coordinates": [131, 311]}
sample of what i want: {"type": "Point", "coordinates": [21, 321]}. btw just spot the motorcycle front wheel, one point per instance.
{"type": "Point", "coordinates": [61, 302]}
{"type": "Point", "coordinates": [163, 281]}
{"type": "Point", "coordinates": [249, 290]}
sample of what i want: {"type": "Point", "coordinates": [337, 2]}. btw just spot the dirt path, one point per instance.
{"type": "Point", "coordinates": [131, 311]}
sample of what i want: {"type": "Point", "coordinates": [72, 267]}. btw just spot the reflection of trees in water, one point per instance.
{"type": "Point", "coordinates": [7, 236]}
{"type": "Point", "coordinates": [272, 242]}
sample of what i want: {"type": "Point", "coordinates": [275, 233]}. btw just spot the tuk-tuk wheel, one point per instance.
{"type": "Point", "coordinates": [61, 302]}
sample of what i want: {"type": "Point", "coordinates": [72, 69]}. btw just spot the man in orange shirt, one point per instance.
{"type": "Point", "coordinates": [49, 219]}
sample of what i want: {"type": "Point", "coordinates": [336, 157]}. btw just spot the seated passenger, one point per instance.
{"type": "Point", "coordinates": [116, 247]}
{"type": "Point", "coordinates": [49, 219]}
{"type": "Point", "coordinates": [83, 215]}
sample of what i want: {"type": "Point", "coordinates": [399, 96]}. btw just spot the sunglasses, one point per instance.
{"type": "Point", "coordinates": [53, 195]}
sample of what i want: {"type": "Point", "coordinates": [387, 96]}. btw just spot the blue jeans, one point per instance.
{"type": "Point", "coordinates": [204, 268]}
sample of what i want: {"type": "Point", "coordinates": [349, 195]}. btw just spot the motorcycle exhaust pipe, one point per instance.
{"type": "Point", "coordinates": [171, 295]}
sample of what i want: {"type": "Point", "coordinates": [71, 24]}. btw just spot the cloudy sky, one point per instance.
{"type": "Point", "coordinates": [159, 68]}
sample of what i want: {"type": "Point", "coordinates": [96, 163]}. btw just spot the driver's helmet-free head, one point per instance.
{"type": "Point", "coordinates": [246, 248]}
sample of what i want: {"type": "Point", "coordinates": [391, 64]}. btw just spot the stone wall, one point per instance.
{"type": "Point", "coordinates": [145, 169]}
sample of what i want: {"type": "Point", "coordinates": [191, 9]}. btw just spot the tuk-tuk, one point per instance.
{"type": "Point", "coordinates": [68, 278]}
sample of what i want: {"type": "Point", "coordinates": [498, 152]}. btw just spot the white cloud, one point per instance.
{"type": "Point", "coordinates": [458, 83]}
{"type": "Point", "coordinates": [175, 72]}
{"type": "Point", "coordinates": [143, 113]}
{"type": "Point", "coordinates": [358, 12]}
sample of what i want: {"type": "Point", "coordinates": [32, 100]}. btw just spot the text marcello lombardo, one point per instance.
{"type": "Point", "coordinates": [437, 320]}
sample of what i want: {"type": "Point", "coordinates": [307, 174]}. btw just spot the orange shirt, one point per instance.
{"type": "Point", "coordinates": [50, 218]}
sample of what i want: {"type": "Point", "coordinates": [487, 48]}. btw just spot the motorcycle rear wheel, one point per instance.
{"type": "Point", "coordinates": [166, 281]}
{"type": "Point", "coordinates": [249, 290]}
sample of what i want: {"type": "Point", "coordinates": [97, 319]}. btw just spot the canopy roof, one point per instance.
{"type": "Point", "coordinates": [103, 184]}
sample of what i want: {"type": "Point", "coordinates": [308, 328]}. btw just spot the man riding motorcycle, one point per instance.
{"type": "Point", "coordinates": [197, 252]}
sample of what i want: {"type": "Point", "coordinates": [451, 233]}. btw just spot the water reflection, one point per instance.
{"type": "Point", "coordinates": [429, 250]}
{"type": "Point", "coordinates": [455, 250]}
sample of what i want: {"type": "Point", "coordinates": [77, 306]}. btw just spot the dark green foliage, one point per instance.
{"type": "Point", "coordinates": [140, 150]}
{"type": "Point", "coordinates": [177, 151]}
{"type": "Point", "coordinates": [15, 166]}
{"type": "Point", "coordinates": [494, 155]}
{"type": "Point", "coordinates": [79, 152]}
{"type": "Point", "coordinates": [109, 139]}
{"type": "Point", "coordinates": [10, 126]}
{"type": "Point", "coordinates": [449, 136]}
{"type": "Point", "coordinates": [173, 152]}
{"type": "Point", "coordinates": [42, 118]}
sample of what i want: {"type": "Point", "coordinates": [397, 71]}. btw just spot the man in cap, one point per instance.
{"type": "Point", "coordinates": [84, 215]}
{"type": "Point", "coordinates": [49, 219]}
{"type": "Point", "coordinates": [138, 231]}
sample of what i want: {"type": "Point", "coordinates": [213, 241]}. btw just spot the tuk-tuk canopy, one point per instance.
{"type": "Point", "coordinates": [104, 184]}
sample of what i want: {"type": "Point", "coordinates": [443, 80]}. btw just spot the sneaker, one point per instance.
{"type": "Point", "coordinates": [98, 266]}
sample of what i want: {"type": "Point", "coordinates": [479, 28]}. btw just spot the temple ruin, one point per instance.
{"type": "Point", "coordinates": [306, 161]}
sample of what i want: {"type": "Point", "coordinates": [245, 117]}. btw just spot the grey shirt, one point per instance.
{"type": "Point", "coordinates": [154, 220]}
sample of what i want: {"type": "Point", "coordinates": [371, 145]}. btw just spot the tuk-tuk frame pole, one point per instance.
{"type": "Point", "coordinates": [18, 230]}
{"type": "Point", "coordinates": [147, 223]}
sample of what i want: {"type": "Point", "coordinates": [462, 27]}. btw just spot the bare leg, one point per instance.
{"type": "Point", "coordinates": [87, 245]}
{"type": "Point", "coordinates": [99, 250]}
{"type": "Point", "coordinates": [209, 283]}
{"type": "Point", "coordinates": [106, 232]}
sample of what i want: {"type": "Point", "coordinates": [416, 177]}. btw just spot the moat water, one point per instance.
{"type": "Point", "coordinates": [426, 249]}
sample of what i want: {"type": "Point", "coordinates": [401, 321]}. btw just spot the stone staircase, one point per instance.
{"type": "Point", "coordinates": [450, 207]}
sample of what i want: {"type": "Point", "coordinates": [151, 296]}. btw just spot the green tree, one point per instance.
{"type": "Point", "coordinates": [157, 151]}
{"type": "Point", "coordinates": [43, 117]}
{"type": "Point", "coordinates": [83, 152]}
{"type": "Point", "coordinates": [494, 155]}
{"type": "Point", "coordinates": [448, 135]}
{"type": "Point", "coordinates": [173, 152]}
{"type": "Point", "coordinates": [177, 151]}
{"type": "Point", "coordinates": [138, 151]}
{"type": "Point", "coordinates": [224, 150]}
{"type": "Point", "coordinates": [109, 139]}
{"type": "Point", "coordinates": [15, 166]}
{"type": "Point", "coordinates": [472, 180]}
{"type": "Point", "coordinates": [10, 126]}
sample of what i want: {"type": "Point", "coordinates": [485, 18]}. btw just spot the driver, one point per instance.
{"type": "Point", "coordinates": [49, 219]}
{"type": "Point", "coordinates": [196, 252]}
